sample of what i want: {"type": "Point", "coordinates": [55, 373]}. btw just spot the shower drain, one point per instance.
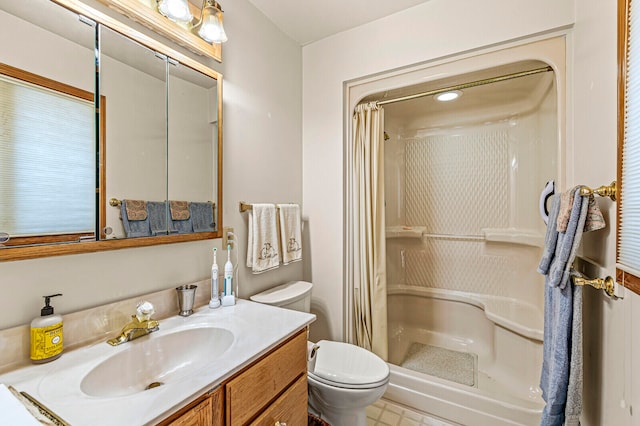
{"type": "Point", "coordinates": [153, 385]}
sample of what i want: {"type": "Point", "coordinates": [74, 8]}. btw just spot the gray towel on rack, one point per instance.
{"type": "Point", "coordinates": [561, 377]}
{"type": "Point", "coordinates": [573, 408]}
{"type": "Point", "coordinates": [202, 217]}
{"type": "Point", "coordinates": [134, 228]}
{"type": "Point", "coordinates": [551, 237]}
{"type": "Point", "coordinates": [158, 213]}
{"type": "Point", "coordinates": [180, 217]}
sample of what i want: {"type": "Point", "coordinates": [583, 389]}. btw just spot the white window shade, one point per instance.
{"type": "Point", "coordinates": [47, 161]}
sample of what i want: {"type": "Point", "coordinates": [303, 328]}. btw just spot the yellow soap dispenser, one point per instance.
{"type": "Point", "coordinates": [46, 334]}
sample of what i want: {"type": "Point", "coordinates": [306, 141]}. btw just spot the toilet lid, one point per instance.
{"type": "Point", "coordinates": [347, 365]}
{"type": "Point", "coordinates": [285, 293]}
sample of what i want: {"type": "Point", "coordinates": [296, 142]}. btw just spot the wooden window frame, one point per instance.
{"type": "Point", "coordinates": [627, 279]}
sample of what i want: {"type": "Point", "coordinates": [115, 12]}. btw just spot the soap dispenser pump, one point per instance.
{"type": "Point", "coordinates": [46, 334]}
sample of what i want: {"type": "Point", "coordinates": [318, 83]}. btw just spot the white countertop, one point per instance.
{"type": "Point", "coordinates": [256, 329]}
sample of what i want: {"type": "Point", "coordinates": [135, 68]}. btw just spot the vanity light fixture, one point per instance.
{"type": "Point", "coordinates": [448, 96]}
{"type": "Point", "coordinates": [176, 10]}
{"type": "Point", "coordinates": [210, 27]}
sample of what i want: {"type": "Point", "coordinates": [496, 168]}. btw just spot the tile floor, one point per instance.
{"type": "Point", "coordinates": [386, 413]}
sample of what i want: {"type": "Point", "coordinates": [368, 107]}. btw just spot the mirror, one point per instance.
{"type": "Point", "coordinates": [155, 134]}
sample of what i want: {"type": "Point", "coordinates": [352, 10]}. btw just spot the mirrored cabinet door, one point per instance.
{"type": "Point", "coordinates": [193, 154]}
{"type": "Point", "coordinates": [47, 131]}
{"type": "Point", "coordinates": [133, 89]}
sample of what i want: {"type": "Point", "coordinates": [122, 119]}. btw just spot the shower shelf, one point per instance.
{"type": "Point", "coordinates": [527, 237]}
{"type": "Point", "coordinates": [404, 231]}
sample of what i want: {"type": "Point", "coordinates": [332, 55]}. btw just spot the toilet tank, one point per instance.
{"type": "Point", "coordinates": [294, 295]}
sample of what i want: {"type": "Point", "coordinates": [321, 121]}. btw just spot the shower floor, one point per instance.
{"type": "Point", "coordinates": [487, 375]}
{"type": "Point", "coordinates": [456, 366]}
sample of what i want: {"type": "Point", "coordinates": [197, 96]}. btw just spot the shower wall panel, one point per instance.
{"type": "Point", "coordinates": [457, 183]}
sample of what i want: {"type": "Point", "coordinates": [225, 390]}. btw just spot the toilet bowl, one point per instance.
{"type": "Point", "coordinates": [345, 378]}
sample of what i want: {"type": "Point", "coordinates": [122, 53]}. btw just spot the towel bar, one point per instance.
{"type": "Point", "coordinates": [606, 284]}
{"type": "Point", "coordinates": [116, 203]}
{"type": "Point", "coordinates": [603, 191]}
{"type": "Point", "coordinates": [245, 207]}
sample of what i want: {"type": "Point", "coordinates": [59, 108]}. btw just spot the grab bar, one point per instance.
{"type": "Point", "coordinates": [548, 191]}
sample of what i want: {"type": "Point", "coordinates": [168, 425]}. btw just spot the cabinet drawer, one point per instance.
{"type": "Point", "coordinates": [249, 393]}
{"type": "Point", "coordinates": [290, 408]}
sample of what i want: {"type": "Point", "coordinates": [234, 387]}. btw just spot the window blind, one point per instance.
{"type": "Point", "coordinates": [47, 161]}
{"type": "Point", "coordinates": [629, 227]}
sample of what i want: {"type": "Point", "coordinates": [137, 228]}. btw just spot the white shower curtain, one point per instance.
{"type": "Point", "coordinates": [367, 216]}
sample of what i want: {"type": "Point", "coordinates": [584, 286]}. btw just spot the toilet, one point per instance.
{"type": "Point", "coordinates": [345, 378]}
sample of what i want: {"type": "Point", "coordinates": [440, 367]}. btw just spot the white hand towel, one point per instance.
{"type": "Point", "coordinates": [262, 247]}
{"type": "Point", "coordinates": [290, 233]}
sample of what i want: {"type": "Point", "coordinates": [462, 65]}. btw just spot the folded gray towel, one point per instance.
{"type": "Point", "coordinates": [184, 226]}
{"type": "Point", "coordinates": [158, 214]}
{"type": "Point", "coordinates": [202, 217]}
{"type": "Point", "coordinates": [134, 228]}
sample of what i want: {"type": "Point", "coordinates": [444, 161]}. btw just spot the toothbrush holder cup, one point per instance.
{"type": "Point", "coordinates": [186, 297]}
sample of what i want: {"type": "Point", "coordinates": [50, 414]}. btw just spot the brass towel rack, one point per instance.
{"type": "Point", "coordinates": [606, 284]}
{"type": "Point", "coordinates": [117, 203]}
{"type": "Point", "coordinates": [603, 191]}
{"type": "Point", "coordinates": [245, 207]}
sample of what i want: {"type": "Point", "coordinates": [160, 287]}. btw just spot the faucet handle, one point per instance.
{"type": "Point", "coordinates": [144, 310]}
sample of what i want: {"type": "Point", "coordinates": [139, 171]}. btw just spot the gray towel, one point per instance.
{"type": "Point", "coordinates": [181, 220]}
{"type": "Point", "coordinates": [561, 376]}
{"type": "Point", "coordinates": [158, 213]}
{"type": "Point", "coordinates": [202, 217]}
{"type": "Point", "coordinates": [134, 228]}
{"type": "Point", "coordinates": [574, 388]}
{"type": "Point", "coordinates": [182, 226]}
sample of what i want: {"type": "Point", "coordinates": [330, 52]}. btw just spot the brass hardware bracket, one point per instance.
{"type": "Point", "coordinates": [603, 191]}
{"type": "Point", "coordinates": [606, 284]}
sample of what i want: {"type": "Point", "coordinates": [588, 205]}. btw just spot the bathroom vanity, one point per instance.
{"type": "Point", "coordinates": [244, 364]}
{"type": "Point", "coordinates": [272, 389]}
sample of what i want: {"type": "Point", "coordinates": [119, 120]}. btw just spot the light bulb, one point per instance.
{"type": "Point", "coordinates": [176, 10]}
{"type": "Point", "coordinates": [211, 28]}
{"type": "Point", "coordinates": [448, 96]}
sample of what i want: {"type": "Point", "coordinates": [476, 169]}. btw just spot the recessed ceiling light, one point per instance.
{"type": "Point", "coordinates": [448, 96]}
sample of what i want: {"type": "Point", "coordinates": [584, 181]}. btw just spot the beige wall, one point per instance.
{"type": "Point", "coordinates": [441, 30]}
{"type": "Point", "coordinates": [262, 162]}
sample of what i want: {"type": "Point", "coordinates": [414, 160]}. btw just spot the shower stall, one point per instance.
{"type": "Point", "coordinates": [464, 236]}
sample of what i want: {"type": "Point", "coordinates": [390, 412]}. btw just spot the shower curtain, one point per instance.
{"type": "Point", "coordinates": [370, 279]}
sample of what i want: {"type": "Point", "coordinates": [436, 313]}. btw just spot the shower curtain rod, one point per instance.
{"type": "Point", "coordinates": [467, 85]}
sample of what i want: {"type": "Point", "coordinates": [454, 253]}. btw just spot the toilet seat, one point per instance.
{"type": "Point", "coordinates": [348, 366]}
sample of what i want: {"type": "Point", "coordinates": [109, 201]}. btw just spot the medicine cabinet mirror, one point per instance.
{"type": "Point", "coordinates": [93, 113]}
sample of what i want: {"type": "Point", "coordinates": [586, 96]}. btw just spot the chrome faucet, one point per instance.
{"type": "Point", "coordinates": [141, 324]}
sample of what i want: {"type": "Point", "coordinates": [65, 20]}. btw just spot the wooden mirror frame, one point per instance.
{"type": "Point", "coordinates": [59, 249]}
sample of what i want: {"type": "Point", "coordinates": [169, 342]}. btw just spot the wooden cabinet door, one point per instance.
{"type": "Point", "coordinates": [253, 390]}
{"type": "Point", "coordinates": [289, 409]}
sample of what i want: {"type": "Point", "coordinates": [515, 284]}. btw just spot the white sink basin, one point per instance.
{"type": "Point", "coordinates": [156, 360]}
